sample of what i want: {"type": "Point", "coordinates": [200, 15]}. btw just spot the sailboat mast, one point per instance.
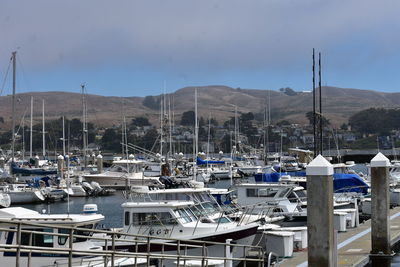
{"type": "Point", "coordinates": [31, 132]}
{"type": "Point", "coordinates": [84, 124]}
{"type": "Point", "coordinates": [196, 126]}
{"type": "Point", "coordinates": [320, 103]}
{"type": "Point", "coordinates": [14, 55]}
{"type": "Point", "coordinates": [63, 122]}
{"type": "Point", "coordinates": [314, 115]}
{"type": "Point", "coordinates": [43, 132]}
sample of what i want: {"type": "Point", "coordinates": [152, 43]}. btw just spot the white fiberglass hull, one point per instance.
{"type": "Point", "coordinates": [24, 197]}
{"type": "Point", "coordinates": [120, 180]}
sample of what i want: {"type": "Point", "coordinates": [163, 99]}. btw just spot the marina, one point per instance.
{"type": "Point", "coordinates": [209, 133]}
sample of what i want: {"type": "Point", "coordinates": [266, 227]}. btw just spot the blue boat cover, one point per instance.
{"type": "Point", "coordinates": [27, 171]}
{"type": "Point", "coordinates": [342, 182]}
{"type": "Point", "coordinates": [199, 161]}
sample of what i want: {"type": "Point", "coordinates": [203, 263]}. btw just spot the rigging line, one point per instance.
{"type": "Point", "coordinates": [5, 77]}
{"type": "Point", "coordinates": [23, 73]}
{"type": "Point", "coordinates": [22, 119]}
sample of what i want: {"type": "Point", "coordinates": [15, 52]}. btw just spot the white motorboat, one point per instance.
{"type": "Point", "coordinates": [183, 220]}
{"type": "Point", "coordinates": [123, 173]}
{"type": "Point", "coordinates": [41, 233]}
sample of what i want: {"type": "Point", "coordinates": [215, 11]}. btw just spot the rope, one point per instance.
{"type": "Point", "coordinates": [5, 77]}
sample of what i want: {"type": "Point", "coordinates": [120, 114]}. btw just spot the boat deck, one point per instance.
{"type": "Point", "coordinates": [354, 245]}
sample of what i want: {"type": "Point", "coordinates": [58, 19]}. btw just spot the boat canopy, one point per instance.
{"type": "Point", "coordinates": [342, 182]}
{"type": "Point", "coordinates": [199, 161]}
{"type": "Point", "coordinates": [27, 171]}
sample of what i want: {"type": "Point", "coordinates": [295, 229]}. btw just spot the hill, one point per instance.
{"type": "Point", "coordinates": [338, 104]}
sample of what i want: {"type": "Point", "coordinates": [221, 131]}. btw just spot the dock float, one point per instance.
{"type": "Point", "coordinates": [354, 246]}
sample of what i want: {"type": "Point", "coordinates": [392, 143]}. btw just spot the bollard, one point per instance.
{"type": "Point", "coordinates": [60, 166]}
{"type": "Point", "coordinates": [321, 250]}
{"type": "Point", "coordinates": [99, 163]}
{"type": "Point", "coordinates": [381, 251]}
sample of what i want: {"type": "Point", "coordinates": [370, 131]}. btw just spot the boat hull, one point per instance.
{"type": "Point", "coordinates": [242, 235]}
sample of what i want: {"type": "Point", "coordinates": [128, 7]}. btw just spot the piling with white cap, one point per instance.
{"type": "Point", "coordinates": [99, 163]}
{"type": "Point", "coordinates": [380, 223]}
{"type": "Point", "coordinates": [321, 250]}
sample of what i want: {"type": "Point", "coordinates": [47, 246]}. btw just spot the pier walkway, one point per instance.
{"type": "Point", "coordinates": [354, 245]}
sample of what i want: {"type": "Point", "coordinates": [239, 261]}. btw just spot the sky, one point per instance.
{"type": "Point", "coordinates": [138, 48]}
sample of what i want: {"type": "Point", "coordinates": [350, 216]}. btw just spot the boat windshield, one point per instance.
{"type": "Point", "coordinates": [186, 215]}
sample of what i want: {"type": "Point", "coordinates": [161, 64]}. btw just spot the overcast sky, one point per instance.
{"type": "Point", "coordinates": [131, 48]}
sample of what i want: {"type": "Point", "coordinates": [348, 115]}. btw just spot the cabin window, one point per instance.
{"type": "Point", "coordinates": [292, 198]}
{"type": "Point", "coordinates": [62, 239]}
{"type": "Point", "coordinates": [82, 232]}
{"type": "Point", "coordinates": [39, 240]}
{"type": "Point", "coordinates": [300, 193]}
{"type": "Point", "coordinates": [283, 192]}
{"type": "Point", "coordinates": [267, 192]}
{"type": "Point", "coordinates": [277, 210]}
{"type": "Point", "coordinates": [154, 218]}
{"type": "Point", "coordinates": [251, 192]}
{"type": "Point", "coordinates": [126, 217]}
{"type": "Point", "coordinates": [223, 220]}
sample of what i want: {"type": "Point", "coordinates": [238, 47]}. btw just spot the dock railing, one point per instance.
{"type": "Point", "coordinates": [107, 247]}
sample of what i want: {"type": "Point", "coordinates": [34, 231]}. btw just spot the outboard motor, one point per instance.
{"type": "Point", "coordinates": [96, 187]}
{"type": "Point", "coordinates": [87, 187]}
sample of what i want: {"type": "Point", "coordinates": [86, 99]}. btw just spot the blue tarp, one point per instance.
{"type": "Point", "coordinates": [27, 171]}
{"type": "Point", "coordinates": [342, 182]}
{"type": "Point", "coordinates": [199, 161]}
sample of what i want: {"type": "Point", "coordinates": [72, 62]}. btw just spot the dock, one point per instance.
{"type": "Point", "coordinates": [354, 245]}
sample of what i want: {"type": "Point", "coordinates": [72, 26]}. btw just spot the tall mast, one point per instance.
{"type": "Point", "coordinates": [314, 115]}
{"type": "Point", "coordinates": [170, 125]}
{"type": "Point", "coordinates": [14, 55]}
{"type": "Point", "coordinates": [31, 132]}
{"type": "Point", "coordinates": [236, 128]}
{"type": "Point", "coordinates": [84, 124]}
{"type": "Point", "coordinates": [320, 103]}
{"type": "Point", "coordinates": [196, 129]}
{"type": "Point", "coordinates": [43, 132]}
{"type": "Point", "coordinates": [196, 125]}
{"type": "Point", "coordinates": [63, 139]}
{"type": "Point", "coordinates": [161, 126]}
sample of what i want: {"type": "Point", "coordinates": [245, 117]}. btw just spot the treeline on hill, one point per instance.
{"type": "Point", "coordinates": [376, 121]}
{"type": "Point", "coordinates": [53, 135]}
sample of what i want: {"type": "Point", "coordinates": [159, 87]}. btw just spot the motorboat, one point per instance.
{"type": "Point", "coordinates": [123, 172]}
{"type": "Point", "coordinates": [46, 238]}
{"type": "Point", "coordinates": [165, 222]}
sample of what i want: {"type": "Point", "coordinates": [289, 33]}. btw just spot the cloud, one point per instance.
{"type": "Point", "coordinates": [189, 34]}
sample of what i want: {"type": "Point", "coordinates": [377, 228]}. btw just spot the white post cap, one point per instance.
{"type": "Point", "coordinates": [319, 166]}
{"type": "Point", "coordinates": [380, 160]}
{"type": "Point", "coordinates": [99, 156]}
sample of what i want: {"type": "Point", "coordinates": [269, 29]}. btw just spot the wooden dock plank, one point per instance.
{"type": "Point", "coordinates": [354, 245]}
